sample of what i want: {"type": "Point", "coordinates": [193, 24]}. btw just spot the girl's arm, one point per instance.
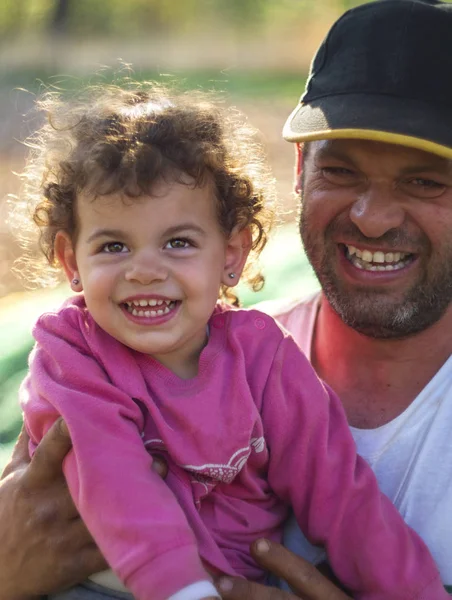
{"type": "Point", "coordinates": [132, 515]}
{"type": "Point", "coordinates": [334, 494]}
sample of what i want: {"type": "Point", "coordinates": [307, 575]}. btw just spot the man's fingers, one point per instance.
{"type": "Point", "coordinates": [47, 461]}
{"type": "Point", "coordinates": [80, 565]}
{"type": "Point", "coordinates": [306, 581]}
{"type": "Point", "coordinates": [235, 588]}
{"type": "Point", "coordinates": [20, 455]}
{"type": "Point", "coordinates": [92, 561]}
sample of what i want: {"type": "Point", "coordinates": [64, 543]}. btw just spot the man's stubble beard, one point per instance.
{"type": "Point", "coordinates": [376, 313]}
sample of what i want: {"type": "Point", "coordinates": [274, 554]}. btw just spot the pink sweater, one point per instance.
{"type": "Point", "coordinates": [252, 434]}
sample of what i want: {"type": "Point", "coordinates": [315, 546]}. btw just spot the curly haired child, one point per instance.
{"type": "Point", "coordinates": [153, 204]}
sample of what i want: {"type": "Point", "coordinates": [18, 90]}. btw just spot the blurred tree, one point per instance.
{"type": "Point", "coordinates": [117, 17]}
{"type": "Point", "coordinates": [241, 14]}
{"type": "Point", "coordinates": [12, 14]}
{"type": "Point", "coordinates": [60, 18]}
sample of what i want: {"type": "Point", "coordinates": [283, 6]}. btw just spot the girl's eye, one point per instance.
{"type": "Point", "coordinates": [178, 244]}
{"type": "Point", "coordinates": [114, 248]}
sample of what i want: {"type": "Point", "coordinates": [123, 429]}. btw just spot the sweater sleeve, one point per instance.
{"type": "Point", "coordinates": [333, 492]}
{"type": "Point", "coordinates": [133, 516]}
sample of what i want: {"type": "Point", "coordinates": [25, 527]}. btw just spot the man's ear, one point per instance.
{"type": "Point", "coordinates": [298, 167]}
{"type": "Point", "coordinates": [238, 247]}
{"type": "Point", "coordinates": [65, 254]}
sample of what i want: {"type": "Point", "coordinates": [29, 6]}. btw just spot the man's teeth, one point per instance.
{"type": "Point", "coordinates": [377, 261]}
{"type": "Point", "coordinates": [138, 307]}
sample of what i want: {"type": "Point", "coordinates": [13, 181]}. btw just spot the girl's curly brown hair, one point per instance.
{"type": "Point", "coordinates": [111, 139]}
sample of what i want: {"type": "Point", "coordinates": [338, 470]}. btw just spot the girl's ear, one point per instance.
{"type": "Point", "coordinates": [298, 167]}
{"type": "Point", "coordinates": [238, 247]}
{"type": "Point", "coordinates": [65, 253]}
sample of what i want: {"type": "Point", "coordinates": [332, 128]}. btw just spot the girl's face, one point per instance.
{"type": "Point", "coordinates": [151, 268]}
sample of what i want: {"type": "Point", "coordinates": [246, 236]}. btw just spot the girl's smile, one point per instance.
{"type": "Point", "coordinates": [150, 311]}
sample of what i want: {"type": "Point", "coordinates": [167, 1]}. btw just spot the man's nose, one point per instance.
{"type": "Point", "coordinates": [376, 210]}
{"type": "Point", "coordinates": [146, 267]}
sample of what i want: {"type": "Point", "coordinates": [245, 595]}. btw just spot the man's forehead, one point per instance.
{"type": "Point", "coordinates": [350, 148]}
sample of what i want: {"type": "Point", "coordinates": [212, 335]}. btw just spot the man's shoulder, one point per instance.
{"type": "Point", "coordinates": [284, 309]}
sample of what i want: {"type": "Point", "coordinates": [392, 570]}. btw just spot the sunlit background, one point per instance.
{"type": "Point", "coordinates": [255, 52]}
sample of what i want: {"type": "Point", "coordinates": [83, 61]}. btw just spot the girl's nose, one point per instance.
{"type": "Point", "coordinates": [146, 268]}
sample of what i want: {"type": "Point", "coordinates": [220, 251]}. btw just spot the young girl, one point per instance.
{"type": "Point", "coordinates": [152, 204]}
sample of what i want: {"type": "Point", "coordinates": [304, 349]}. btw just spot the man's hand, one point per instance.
{"type": "Point", "coordinates": [44, 544]}
{"type": "Point", "coordinates": [304, 579]}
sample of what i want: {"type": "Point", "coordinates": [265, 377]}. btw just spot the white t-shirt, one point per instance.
{"type": "Point", "coordinates": [411, 455]}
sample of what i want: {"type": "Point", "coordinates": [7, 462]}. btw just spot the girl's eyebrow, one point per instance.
{"type": "Point", "coordinates": [112, 233]}
{"type": "Point", "coordinates": [184, 227]}
{"type": "Point", "coordinates": [118, 233]}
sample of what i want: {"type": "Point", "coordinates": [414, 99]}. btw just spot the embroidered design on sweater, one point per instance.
{"type": "Point", "coordinates": [206, 477]}
{"type": "Point", "coordinates": [211, 472]}
{"type": "Point", "coordinates": [224, 473]}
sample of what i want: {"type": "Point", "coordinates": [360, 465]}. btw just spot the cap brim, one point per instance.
{"type": "Point", "coordinates": [373, 117]}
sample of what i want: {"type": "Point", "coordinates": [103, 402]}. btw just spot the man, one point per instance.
{"type": "Point", "coordinates": [375, 178]}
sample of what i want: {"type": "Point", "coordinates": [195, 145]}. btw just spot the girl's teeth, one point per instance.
{"type": "Point", "coordinates": [144, 302]}
{"type": "Point", "coordinates": [166, 305]}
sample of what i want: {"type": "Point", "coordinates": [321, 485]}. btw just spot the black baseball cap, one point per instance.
{"type": "Point", "coordinates": [384, 73]}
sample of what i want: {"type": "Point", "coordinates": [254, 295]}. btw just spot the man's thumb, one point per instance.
{"type": "Point", "coordinates": [46, 464]}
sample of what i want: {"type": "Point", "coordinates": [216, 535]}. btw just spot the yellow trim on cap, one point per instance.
{"type": "Point", "coordinates": [369, 134]}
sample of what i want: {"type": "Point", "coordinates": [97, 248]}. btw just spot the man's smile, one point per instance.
{"type": "Point", "coordinates": [377, 260]}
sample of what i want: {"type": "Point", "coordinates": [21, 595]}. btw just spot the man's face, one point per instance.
{"type": "Point", "coordinates": [376, 224]}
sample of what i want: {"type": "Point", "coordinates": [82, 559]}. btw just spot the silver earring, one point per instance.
{"type": "Point", "coordinates": [231, 275]}
{"type": "Point", "coordinates": [75, 281]}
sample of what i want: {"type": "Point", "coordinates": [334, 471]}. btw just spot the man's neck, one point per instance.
{"type": "Point", "coordinates": [377, 379]}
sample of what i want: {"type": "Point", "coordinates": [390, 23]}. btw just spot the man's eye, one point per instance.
{"type": "Point", "coordinates": [337, 172]}
{"type": "Point", "coordinates": [421, 187]}
{"type": "Point", "coordinates": [178, 244]}
{"type": "Point", "coordinates": [338, 175]}
{"type": "Point", "coordinates": [428, 183]}
{"type": "Point", "coordinates": [114, 248]}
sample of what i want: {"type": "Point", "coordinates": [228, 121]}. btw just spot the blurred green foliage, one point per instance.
{"type": "Point", "coordinates": [233, 83]}
{"type": "Point", "coordinates": [117, 17]}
